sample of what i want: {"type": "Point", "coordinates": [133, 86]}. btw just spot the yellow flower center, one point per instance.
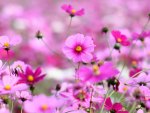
{"type": "Point", "coordinates": [6, 45]}
{"type": "Point", "coordinates": [78, 49]}
{"type": "Point", "coordinates": [96, 70]}
{"type": "Point", "coordinates": [134, 63]}
{"type": "Point", "coordinates": [7, 87]}
{"type": "Point", "coordinates": [125, 88]}
{"type": "Point", "coordinates": [81, 95]}
{"type": "Point", "coordinates": [73, 11]}
{"type": "Point", "coordinates": [119, 40]}
{"type": "Point", "coordinates": [44, 107]}
{"type": "Point", "coordinates": [30, 78]}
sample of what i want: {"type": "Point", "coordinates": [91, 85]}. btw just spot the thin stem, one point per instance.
{"type": "Point", "coordinates": [101, 111]}
{"type": "Point", "coordinates": [139, 72]}
{"type": "Point", "coordinates": [108, 44]}
{"type": "Point", "coordinates": [21, 110]}
{"type": "Point", "coordinates": [8, 61]}
{"type": "Point", "coordinates": [68, 29]}
{"type": "Point", "coordinates": [133, 47]}
{"type": "Point", "coordinates": [76, 74]}
{"type": "Point", "coordinates": [111, 52]}
{"type": "Point", "coordinates": [12, 106]}
{"type": "Point", "coordinates": [132, 108]}
{"type": "Point", "coordinates": [110, 49]}
{"type": "Point", "coordinates": [47, 46]}
{"type": "Point", "coordinates": [146, 24]}
{"type": "Point", "coordinates": [91, 99]}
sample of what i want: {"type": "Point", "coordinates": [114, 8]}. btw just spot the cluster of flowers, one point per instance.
{"type": "Point", "coordinates": [98, 85]}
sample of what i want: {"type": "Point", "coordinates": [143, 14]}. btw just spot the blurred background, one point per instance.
{"type": "Point", "coordinates": [23, 18]}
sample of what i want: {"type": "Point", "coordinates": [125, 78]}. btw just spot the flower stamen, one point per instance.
{"type": "Point", "coordinates": [6, 45]}
{"type": "Point", "coordinates": [73, 11]}
{"type": "Point", "coordinates": [7, 87]}
{"type": "Point", "coordinates": [78, 49]}
{"type": "Point", "coordinates": [119, 40]}
{"type": "Point", "coordinates": [30, 78]}
{"type": "Point", "coordinates": [96, 69]}
{"type": "Point", "coordinates": [44, 107]}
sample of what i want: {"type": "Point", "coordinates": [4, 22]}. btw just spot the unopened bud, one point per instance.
{"type": "Point", "coordinates": [104, 29]}
{"type": "Point", "coordinates": [39, 35]}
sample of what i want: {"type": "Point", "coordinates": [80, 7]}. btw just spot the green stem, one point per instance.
{"type": "Point", "coordinates": [101, 111]}
{"type": "Point", "coordinates": [8, 62]}
{"type": "Point", "coordinates": [68, 29]}
{"type": "Point", "coordinates": [132, 108]}
{"type": "Point", "coordinates": [12, 106]}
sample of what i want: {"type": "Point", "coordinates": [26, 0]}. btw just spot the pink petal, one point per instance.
{"type": "Point", "coordinates": [38, 71]}
{"type": "Point", "coordinates": [86, 57]}
{"type": "Point", "coordinates": [117, 106]}
{"type": "Point", "coordinates": [108, 104]}
{"type": "Point", "coordinates": [80, 12]}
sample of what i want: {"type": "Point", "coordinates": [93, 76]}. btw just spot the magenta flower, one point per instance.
{"type": "Point", "coordinates": [79, 48]}
{"type": "Point", "coordinates": [96, 73]}
{"type": "Point", "coordinates": [120, 38]}
{"type": "Point", "coordinates": [141, 36]}
{"type": "Point", "coordinates": [9, 85]}
{"type": "Point", "coordinates": [31, 77]}
{"type": "Point", "coordinates": [114, 108]}
{"type": "Point", "coordinates": [135, 72]}
{"type": "Point", "coordinates": [72, 12]}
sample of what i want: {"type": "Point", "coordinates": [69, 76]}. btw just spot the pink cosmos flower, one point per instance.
{"type": "Point", "coordinates": [77, 95]}
{"type": "Point", "coordinates": [7, 42]}
{"type": "Point", "coordinates": [140, 111]}
{"type": "Point", "coordinates": [141, 36]}
{"type": "Point", "coordinates": [9, 85]}
{"type": "Point", "coordinates": [134, 72]}
{"type": "Point", "coordinates": [80, 95]}
{"type": "Point", "coordinates": [140, 80]}
{"type": "Point", "coordinates": [23, 96]}
{"type": "Point", "coordinates": [114, 108]}
{"type": "Point", "coordinates": [31, 77]}
{"type": "Point", "coordinates": [4, 110]}
{"type": "Point", "coordinates": [42, 104]}
{"type": "Point", "coordinates": [79, 48]}
{"type": "Point", "coordinates": [96, 73]}
{"type": "Point", "coordinates": [18, 67]}
{"type": "Point", "coordinates": [120, 38]}
{"type": "Point", "coordinates": [72, 12]}
{"type": "Point", "coordinates": [140, 93]}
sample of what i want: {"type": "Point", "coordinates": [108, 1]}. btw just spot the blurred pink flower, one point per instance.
{"type": "Point", "coordinates": [72, 12]}
{"type": "Point", "coordinates": [114, 108]}
{"type": "Point", "coordinates": [79, 48]}
{"type": "Point", "coordinates": [23, 95]}
{"type": "Point", "coordinates": [140, 111]}
{"type": "Point", "coordinates": [97, 74]}
{"type": "Point", "coordinates": [141, 36]}
{"type": "Point", "coordinates": [7, 42]}
{"type": "Point", "coordinates": [135, 72]}
{"type": "Point", "coordinates": [42, 104]}
{"type": "Point", "coordinates": [9, 85]}
{"type": "Point", "coordinates": [120, 38]}
{"type": "Point", "coordinates": [31, 77]}
{"type": "Point", "coordinates": [4, 110]}
{"type": "Point", "coordinates": [18, 67]}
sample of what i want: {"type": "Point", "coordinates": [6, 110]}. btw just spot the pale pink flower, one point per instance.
{"type": "Point", "coordinates": [79, 48]}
